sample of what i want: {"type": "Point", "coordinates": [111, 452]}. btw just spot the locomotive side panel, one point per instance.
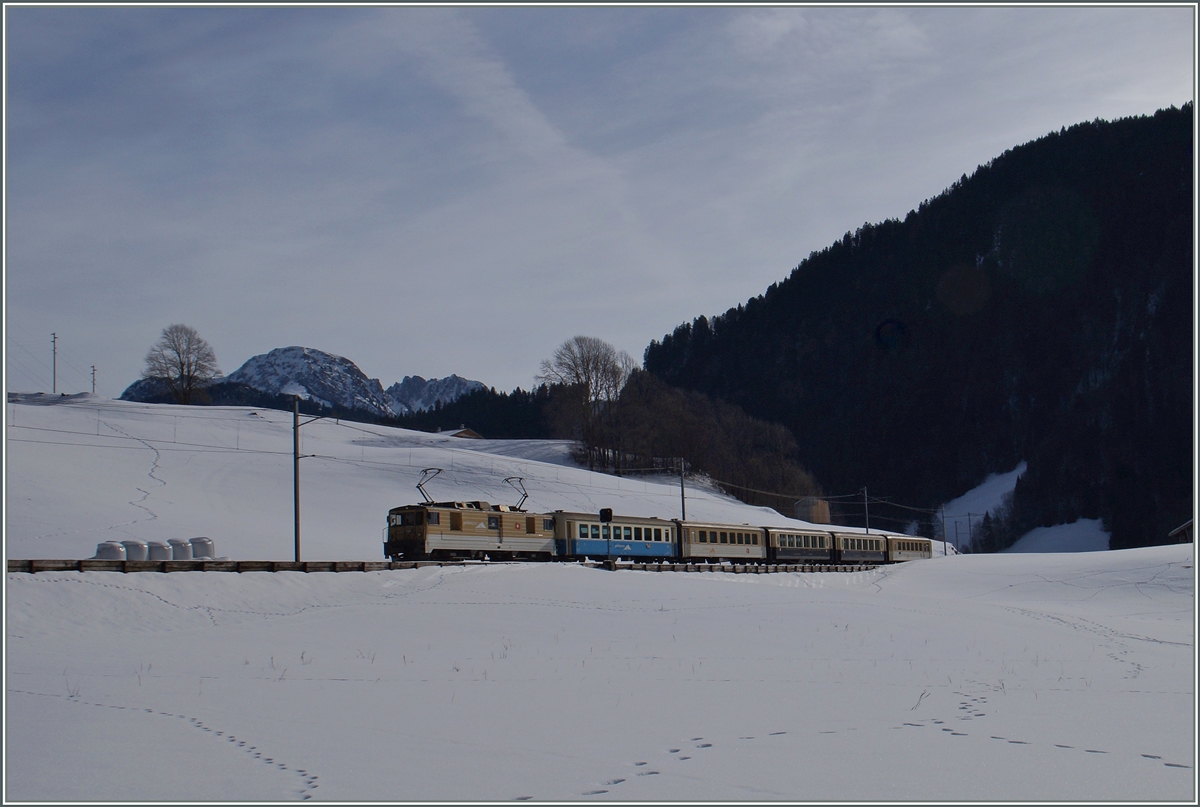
{"type": "Point", "coordinates": [467, 529]}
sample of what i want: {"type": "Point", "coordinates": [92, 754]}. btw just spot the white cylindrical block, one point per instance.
{"type": "Point", "coordinates": [134, 550]}
{"type": "Point", "coordinates": [110, 550]}
{"type": "Point", "coordinates": [157, 550]}
{"type": "Point", "coordinates": [180, 550]}
{"type": "Point", "coordinates": [202, 548]}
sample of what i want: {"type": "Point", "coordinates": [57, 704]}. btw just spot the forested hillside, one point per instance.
{"type": "Point", "coordinates": [1039, 310]}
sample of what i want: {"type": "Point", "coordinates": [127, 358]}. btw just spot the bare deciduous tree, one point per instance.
{"type": "Point", "coordinates": [599, 372]}
{"type": "Point", "coordinates": [182, 361]}
{"type": "Point", "coordinates": [591, 363]}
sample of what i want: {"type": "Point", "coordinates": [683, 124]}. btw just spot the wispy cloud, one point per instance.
{"type": "Point", "coordinates": [437, 190]}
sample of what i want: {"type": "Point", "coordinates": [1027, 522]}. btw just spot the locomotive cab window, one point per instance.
{"type": "Point", "coordinates": [548, 524]}
{"type": "Point", "coordinates": [409, 519]}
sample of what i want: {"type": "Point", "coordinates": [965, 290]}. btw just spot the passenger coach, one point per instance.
{"type": "Point", "coordinates": [859, 548]}
{"type": "Point", "coordinates": [792, 546]}
{"type": "Point", "coordinates": [713, 542]}
{"type": "Point", "coordinates": [584, 535]}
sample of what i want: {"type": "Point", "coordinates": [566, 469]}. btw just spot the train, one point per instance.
{"type": "Point", "coordinates": [479, 530]}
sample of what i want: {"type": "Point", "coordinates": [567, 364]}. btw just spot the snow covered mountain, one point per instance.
{"type": "Point", "coordinates": [314, 375]}
{"type": "Point", "coordinates": [417, 394]}
{"type": "Point", "coordinates": [336, 381]}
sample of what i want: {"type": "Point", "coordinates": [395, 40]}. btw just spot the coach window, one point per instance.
{"type": "Point", "coordinates": [658, 533]}
{"type": "Point", "coordinates": [493, 522]}
{"type": "Point", "coordinates": [628, 533]}
{"type": "Point", "coordinates": [704, 536]}
{"type": "Point", "coordinates": [637, 533]}
{"type": "Point", "coordinates": [595, 532]}
{"type": "Point", "coordinates": [583, 532]}
{"type": "Point", "coordinates": [435, 518]}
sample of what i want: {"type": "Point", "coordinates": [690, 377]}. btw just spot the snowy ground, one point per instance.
{"type": "Point", "coordinates": [1004, 677]}
{"type": "Point", "coordinates": [979, 677]}
{"type": "Point", "coordinates": [1084, 535]}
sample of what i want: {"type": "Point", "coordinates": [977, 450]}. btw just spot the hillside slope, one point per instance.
{"type": "Point", "coordinates": [1039, 310]}
{"type": "Point", "coordinates": [84, 469]}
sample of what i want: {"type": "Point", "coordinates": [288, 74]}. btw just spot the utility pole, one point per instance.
{"type": "Point", "coordinates": [54, 365]}
{"type": "Point", "coordinates": [296, 467]}
{"type": "Point", "coordinates": [866, 513]}
{"type": "Point", "coordinates": [296, 424]}
{"type": "Point", "coordinates": [94, 381]}
{"type": "Point", "coordinates": [682, 497]}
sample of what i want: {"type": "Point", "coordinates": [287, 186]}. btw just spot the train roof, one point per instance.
{"type": "Point", "coordinates": [477, 505]}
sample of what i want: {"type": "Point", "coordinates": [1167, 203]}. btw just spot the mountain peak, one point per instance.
{"type": "Point", "coordinates": [336, 381]}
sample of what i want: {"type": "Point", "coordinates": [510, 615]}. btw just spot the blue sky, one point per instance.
{"type": "Point", "coordinates": [430, 191]}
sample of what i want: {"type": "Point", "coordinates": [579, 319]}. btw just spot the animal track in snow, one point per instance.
{"type": "Point", "coordinates": [309, 780]}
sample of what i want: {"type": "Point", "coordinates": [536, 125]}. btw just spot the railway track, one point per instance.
{"type": "Point", "coordinates": [33, 566]}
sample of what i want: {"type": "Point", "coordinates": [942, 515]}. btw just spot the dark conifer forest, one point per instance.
{"type": "Point", "coordinates": [1040, 310]}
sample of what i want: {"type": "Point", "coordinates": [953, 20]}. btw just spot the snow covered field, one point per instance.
{"type": "Point", "coordinates": [979, 677]}
{"type": "Point", "coordinates": [83, 470]}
